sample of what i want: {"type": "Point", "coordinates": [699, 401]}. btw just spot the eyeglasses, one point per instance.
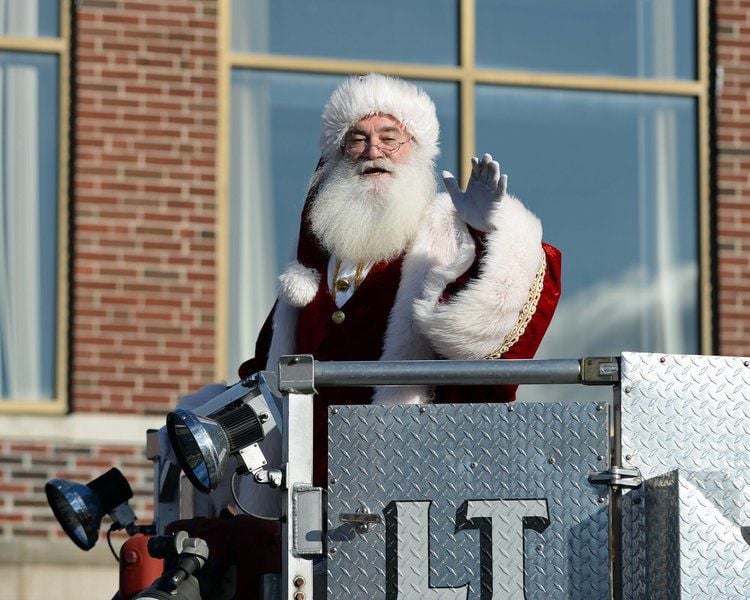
{"type": "Point", "coordinates": [358, 145]}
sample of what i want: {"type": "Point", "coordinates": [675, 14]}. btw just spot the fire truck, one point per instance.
{"type": "Point", "coordinates": [641, 493]}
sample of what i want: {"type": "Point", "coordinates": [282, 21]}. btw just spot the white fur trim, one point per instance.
{"type": "Point", "coordinates": [359, 97]}
{"type": "Point", "coordinates": [443, 245]}
{"type": "Point", "coordinates": [298, 284]}
{"type": "Point", "coordinates": [475, 322]}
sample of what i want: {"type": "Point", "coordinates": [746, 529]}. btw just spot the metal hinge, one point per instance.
{"type": "Point", "coordinates": [627, 477]}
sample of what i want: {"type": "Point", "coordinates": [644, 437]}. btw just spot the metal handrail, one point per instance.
{"type": "Point", "coordinates": [303, 373]}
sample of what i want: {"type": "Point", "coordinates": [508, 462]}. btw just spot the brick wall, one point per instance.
{"type": "Point", "coordinates": [26, 466]}
{"type": "Point", "coordinates": [144, 219]}
{"type": "Point", "coordinates": [144, 244]}
{"type": "Point", "coordinates": [733, 175]}
{"type": "Point", "coordinates": [144, 203]}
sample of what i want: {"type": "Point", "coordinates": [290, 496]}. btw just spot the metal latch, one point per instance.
{"type": "Point", "coordinates": [600, 370]}
{"type": "Point", "coordinates": [363, 519]}
{"type": "Point", "coordinates": [627, 477]}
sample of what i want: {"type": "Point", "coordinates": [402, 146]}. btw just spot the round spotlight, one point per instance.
{"type": "Point", "coordinates": [80, 508]}
{"type": "Point", "coordinates": [200, 445]}
{"type": "Point", "coordinates": [203, 444]}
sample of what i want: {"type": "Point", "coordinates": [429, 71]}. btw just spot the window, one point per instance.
{"type": "Point", "coordinates": [274, 150]}
{"type": "Point", "coordinates": [641, 38]}
{"type": "Point", "coordinates": [596, 109]}
{"type": "Point", "coordinates": [33, 83]}
{"type": "Point", "coordinates": [617, 193]}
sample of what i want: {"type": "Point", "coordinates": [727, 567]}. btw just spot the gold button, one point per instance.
{"type": "Point", "coordinates": [342, 284]}
{"type": "Point", "coordinates": [338, 317]}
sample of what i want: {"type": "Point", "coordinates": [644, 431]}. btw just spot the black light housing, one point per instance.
{"type": "Point", "coordinates": [80, 508]}
{"type": "Point", "coordinates": [203, 444]}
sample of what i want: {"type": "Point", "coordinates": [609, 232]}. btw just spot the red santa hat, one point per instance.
{"type": "Point", "coordinates": [354, 99]}
{"type": "Point", "coordinates": [359, 97]}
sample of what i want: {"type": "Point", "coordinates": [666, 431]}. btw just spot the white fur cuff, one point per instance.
{"type": "Point", "coordinates": [298, 284]}
{"type": "Point", "coordinates": [477, 320]}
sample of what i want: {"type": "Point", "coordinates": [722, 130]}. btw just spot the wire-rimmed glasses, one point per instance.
{"type": "Point", "coordinates": [357, 145]}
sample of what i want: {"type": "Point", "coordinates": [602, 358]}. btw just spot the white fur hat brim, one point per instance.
{"type": "Point", "coordinates": [359, 97]}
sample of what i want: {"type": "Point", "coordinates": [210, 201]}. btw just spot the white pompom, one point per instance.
{"type": "Point", "coordinates": [298, 284]}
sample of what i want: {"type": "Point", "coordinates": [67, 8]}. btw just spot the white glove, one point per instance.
{"type": "Point", "coordinates": [486, 187]}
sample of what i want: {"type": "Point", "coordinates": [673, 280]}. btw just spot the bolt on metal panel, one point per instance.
{"type": "Point", "coordinates": [467, 493]}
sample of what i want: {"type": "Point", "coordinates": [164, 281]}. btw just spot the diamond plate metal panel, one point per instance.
{"type": "Point", "coordinates": [441, 456]}
{"type": "Point", "coordinates": [686, 425]}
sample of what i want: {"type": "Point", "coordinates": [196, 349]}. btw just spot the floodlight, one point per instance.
{"type": "Point", "coordinates": [80, 508]}
{"type": "Point", "coordinates": [231, 424]}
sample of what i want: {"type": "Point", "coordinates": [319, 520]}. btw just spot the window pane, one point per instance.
{"type": "Point", "coordinates": [642, 38]}
{"type": "Point", "coordinates": [30, 18]}
{"type": "Point", "coordinates": [445, 97]}
{"type": "Point", "coordinates": [274, 150]}
{"type": "Point", "coordinates": [421, 31]}
{"type": "Point", "coordinates": [28, 224]}
{"type": "Point", "coordinates": [613, 179]}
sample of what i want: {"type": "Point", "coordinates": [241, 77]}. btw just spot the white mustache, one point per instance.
{"type": "Point", "coordinates": [378, 163]}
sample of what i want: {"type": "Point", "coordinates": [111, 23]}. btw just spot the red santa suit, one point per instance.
{"type": "Point", "coordinates": [454, 293]}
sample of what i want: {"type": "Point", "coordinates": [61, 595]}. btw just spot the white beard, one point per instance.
{"type": "Point", "coordinates": [369, 219]}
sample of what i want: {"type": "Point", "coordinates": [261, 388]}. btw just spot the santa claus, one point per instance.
{"type": "Point", "coordinates": [387, 268]}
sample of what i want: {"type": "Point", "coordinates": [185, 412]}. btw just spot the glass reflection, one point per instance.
{"type": "Point", "coordinates": [30, 18]}
{"type": "Point", "coordinates": [643, 38]}
{"type": "Point", "coordinates": [420, 31]}
{"type": "Point", "coordinates": [28, 224]}
{"type": "Point", "coordinates": [613, 179]}
{"type": "Point", "coordinates": [274, 150]}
